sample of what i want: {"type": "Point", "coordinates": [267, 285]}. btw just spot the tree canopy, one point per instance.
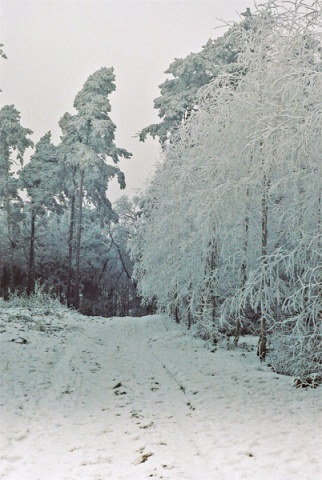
{"type": "Point", "coordinates": [179, 94]}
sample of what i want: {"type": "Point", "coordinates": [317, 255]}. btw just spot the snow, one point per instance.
{"type": "Point", "coordinates": [134, 398]}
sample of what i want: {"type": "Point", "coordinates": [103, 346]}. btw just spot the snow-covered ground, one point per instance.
{"type": "Point", "coordinates": [137, 398]}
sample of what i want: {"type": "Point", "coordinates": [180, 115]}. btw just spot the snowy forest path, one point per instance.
{"type": "Point", "coordinates": [159, 407]}
{"type": "Point", "coordinates": [103, 384]}
{"type": "Point", "coordinates": [150, 409]}
{"type": "Point", "coordinates": [138, 398]}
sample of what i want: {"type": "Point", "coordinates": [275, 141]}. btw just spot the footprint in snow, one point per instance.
{"type": "Point", "coordinates": [20, 340]}
{"type": "Point", "coordinates": [144, 457]}
{"type": "Point", "coordinates": [149, 425]}
{"type": "Point", "coordinates": [117, 392]}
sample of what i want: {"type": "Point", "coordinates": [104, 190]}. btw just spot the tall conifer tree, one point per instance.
{"type": "Point", "coordinates": [88, 141]}
{"type": "Point", "coordinates": [42, 178]}
{"type": "Point", "coordinates": [13, 143]}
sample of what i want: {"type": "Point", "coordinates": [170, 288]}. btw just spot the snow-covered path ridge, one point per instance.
{"type": "Point", "coordinates": [137, 398]}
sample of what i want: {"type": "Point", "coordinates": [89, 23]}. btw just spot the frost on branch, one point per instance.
{"type": "Point", "coordinates": [231, 231]}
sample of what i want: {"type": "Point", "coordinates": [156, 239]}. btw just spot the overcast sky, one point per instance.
{"type": "Point", "coordinates": [54, 45]}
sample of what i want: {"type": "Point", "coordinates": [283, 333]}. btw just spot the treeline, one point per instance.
{"type": "Point", "coordinates": [230, 239]}
{"type": "Point", "coordinates": [57, 226]}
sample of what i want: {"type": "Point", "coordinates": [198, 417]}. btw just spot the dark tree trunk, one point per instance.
{"type": "Point", "coordinates": [211, 293]}
{"type": "Point", "coordinates": [70, 251]}
{"type": "Point", "coordinates": [7, 206]}
{"type": "Point", "coordinates": [245, 246]}
{"type": "Point", "coordinates": [237, 332]}
{"type": "Point", "coordinates": [262, 348]}
{"type": "Point", "coordinates": [243, 269]}
{"type": "Point", "coordinates": [176, 314]}
{"type": "Point", "coordinates": [11, 243]}
{"type": "Point", "coordinates": [31, 266]}
{"type": "Point", "coordinates": [78, 239]}
{"type": "Point", "coordinates": [264, 216]}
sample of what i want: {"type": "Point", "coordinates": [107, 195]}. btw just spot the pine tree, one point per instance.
{"type": "Point", "coordinates": [87, 143]}
{"type": "Point", "coordinates": [42, 178]}
{"type": "Point", "coordinates": [13, 139]}
{"type": "Point", "coordinates": [179, 94]}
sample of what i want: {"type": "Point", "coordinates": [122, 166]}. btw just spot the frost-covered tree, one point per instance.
{"type": "Point", "coordinates": [179, 94]}
{"type": "Point", "coordinates": [237, 200]}
{"type": "Point", "coordinates": [42, 178]}
{"type": "Point", "coordinates": [88, 141]}
{"type": "Point", "coordinates": [121, 234]}
{"type": "Point", "coordinates": [105, 269]}
{"type": "Point", "coordinates": [281, 104]}
{"type": "Point", "coordinates": [13, 143]}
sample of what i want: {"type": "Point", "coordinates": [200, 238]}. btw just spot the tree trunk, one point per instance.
{"type": "Point", "coordinates": [264, 216]}
{"type": "Point", "coordinates": [243, 268]}
{"type": "Point", "coordinates": [245, 246]}
{"type": "Point", "coordinates": [237, 332]}
{"type": "Point", "coordinates": [176, 307]}
{"type": "Point", "coordinates": [70, 251]}
{"type": "Point", "coordinates": [189, 318]}
{"type": "Point", "coordinates": [176, 313]}
{"type": "Point", "coordinates": [10, 237]}
{"type": "Point", "coordinates": [211, 288]}
{"type": "Point", "coordinates": [78, 239]}
{"type": "Point", "coordinates": [31, 266]}
{"type": "Point", "coordinates": [262, 348]}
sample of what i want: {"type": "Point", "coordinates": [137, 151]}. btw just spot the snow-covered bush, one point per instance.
{"type": "Point", "coordinates": [290, 355]}
{"type": "Point", "coordinates": [40, 301]}
{"type": "Point", "coordinates": [39, 311]}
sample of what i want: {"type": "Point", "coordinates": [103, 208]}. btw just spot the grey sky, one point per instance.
{"type": "Point", "coordinates": [54, 45]}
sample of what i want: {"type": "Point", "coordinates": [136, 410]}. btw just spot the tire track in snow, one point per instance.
{"type": "Point", "coordinates": [169, 400]}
